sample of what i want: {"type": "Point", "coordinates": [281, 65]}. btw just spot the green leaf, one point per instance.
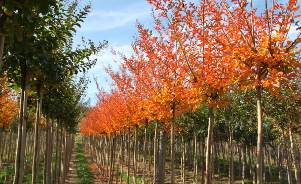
{"type": "Point", "coordinates": [9, 8]}
{"type": "Point", "coordinates": [43, 7]}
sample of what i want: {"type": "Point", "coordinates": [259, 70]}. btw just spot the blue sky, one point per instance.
{"type": "Point", "coordinates": [115, 21]}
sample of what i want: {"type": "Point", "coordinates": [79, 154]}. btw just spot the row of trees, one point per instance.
{"type": "Point", "coordinates": [203, 54]}
{"type": "Point", "coordinates": [40, 63]}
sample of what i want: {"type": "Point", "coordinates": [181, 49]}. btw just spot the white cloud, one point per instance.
{"type": "Point", "coordinates": [103, 79]}
{"type": "Point", "coordinates": [101, 20]}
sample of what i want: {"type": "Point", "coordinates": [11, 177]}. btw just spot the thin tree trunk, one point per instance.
{"type": "Point", "coordinates": [1, 149]}
{"type": "Point", "coordinates": [244, 163]}
{"type": "Point", "coordinates": [57, 153]}
{"type": "Point", "coordinates": [293, 152]}
{"type": "Point", "coordinates": [162, 157]}
{"type": "Point", "coordinates": [183, 158]}
{"type": "Point", "coordinates": [288, 166]}
{"type": "Point", "coordinates": [156, 152]}
{"type": "Point", "coordinates": [36, 157]}
{"type": "Point", "coordinates": [21, 143]}
{"type": "Point", "coordinates": [2, 38]}
{"type": "Point", "coordinates": [195, 158]}
{"type": "Point", "coordinates": [259, 135]}
{"type": "Point", "coordinates": [47, 170]}
{"type": "Point", "coordinates": [145, 150]}
{"type": "Point", "coordinates": [65, 157]}
{"type": "Point", "coordinates": [112, 158]}
{"type": "Point", "coordinates": [231, 170]}
{"type": "Point", "coordinates": [202, 162]}
{"type": "Point", "coordinates": [128, 156]}
{"type": "Point", "coordinates": [209, 147]}
{"type": "Point", "coordinates": [172, 142]}
{"type": "Point", "coordinates": [135, 156]}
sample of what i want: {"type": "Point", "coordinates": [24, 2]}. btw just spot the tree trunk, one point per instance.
{"type": "Point", "coordinates": [288, 166]}
{"type": "Point", "coordinates": [145, 150]}
{"type": "Point", "coordinates": [183, 158]}
{"type": "Point", "coordinates": [2, 38]}
{"type": "Point", "coordinates": [1, 149]}
{"type": "Point", "coordinates": [244, 165]}
{"type": "Point", "coordinates": [135, 156]}
{"type": "Point", "coordinates": [293, 152]}
{"type": "Point", "coordinates": [36, 157]}
{"type": "Point", "coordinates": [209, 147]}
{"type": "Point", "coordinates": [57, 153]}
{"type": "Point", "coordinates": [21, 143]}
{"type": "Point", "coordinates": [112, 158]}
{"type": "Point", "coordinates": [231, 170]}
{"type": "Point", "coordinates": [172, 142]}
{"type": "Point", "coordinates": [195, 158]}
{"type": "Point", "coordinates": [48, 155]}
{"type": "Point", "coordinates": [162, 157]}
{"type": "Point", "coordinates": [259, 135]}
{"type": "Point", "coordinates": [156, 152]}
{"type": "Point", "coordinates": [128, 155]}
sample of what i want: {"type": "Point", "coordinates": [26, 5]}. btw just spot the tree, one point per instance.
{"type": "Point", "coordinates": [20, 18]}
{"type": "Point", "coordinates": [263, 52]}
{"type": "Point", "coordinates": [8, 104]}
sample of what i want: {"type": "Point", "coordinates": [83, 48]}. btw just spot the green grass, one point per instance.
{"type": "Point", "coordinates": [124, 178]}
{"type": "Point", "coordinates": [6, 172]}
{"type": "Point", "coordinates": [84, 174]}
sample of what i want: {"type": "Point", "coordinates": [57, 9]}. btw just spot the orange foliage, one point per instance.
{"type": "Point", "coordinates": [8, 104]}
{"type": "Point", "coordinates": [193, 56]}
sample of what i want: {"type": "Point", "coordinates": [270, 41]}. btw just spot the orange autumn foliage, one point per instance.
{"type": "Point", "coordinates": [8, 104]}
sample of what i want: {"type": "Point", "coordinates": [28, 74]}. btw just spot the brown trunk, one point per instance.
{"type": "Point", "coordinates": [231, 170]}
{"type": "Point", "coordinates": [36, 157]}
{"type": "Point", "coordinates": [293, 152]}
{"type": "Point", "coordinates": [209, 147]}
{"type": "Point", "coordinates": [195, 159]}
{"type": "Point", "coordinates": [135, 160]}
{"type": "Point", "coordinates": [128, 156]}
{"type": "Point", "coordinates": [172, 142]}
{"type": "Point", "coordinates": [2, 38]}
{"type": "Point", "coordinates": [162, 157]}
{"type": "Point", "coordinates": [156, 152]}
{"type": "Point", "coordinates": [202, 162]}
{"type": "Point", "coordinates": [21, 143]}
{"type": "Point", "coordinates": [145, 150]}
{"type": "Point", "coordinates": [259, 135]}
{"type": "Point", "coordinates": [183, 158]}
{"type": "Point", "coordinates": [288, 165]}
{"type": "Point", "coordinates": [47, 170]}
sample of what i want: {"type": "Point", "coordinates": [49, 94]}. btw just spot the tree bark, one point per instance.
{"type": "Point", "coordinates": [2, 38]}
{"type": "Point", "coordinates": [293, 152]}
{"type": "Point", "coordinates": [209, 147]}
{"type": "Point", "coordinates": [156, 152]}
{"type": "Point", "coordinates": [128, 155]}
{"type": "Point", "coordinates": [21, 143]}
{"type": "Point", "coordinates": [135, 155]}
{"type": "Point", "coordinates": [195, 158]}
{"type": "Point", "coordinates": [172, 142]}
{"type": "Point", "coordinates": [231, 170]}
{"type": "Point", "coordinates": [36, 157]}
{"type": "Point", "coordinates": [145, 150]}
{"type": "Point", "coordinates": [259, 135]}
{"type": "Point", "coordinates": [162, 157]}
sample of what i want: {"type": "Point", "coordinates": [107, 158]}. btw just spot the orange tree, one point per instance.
{"type": "Point", "coordinates": [263, 52]}
{"type": "Point", "coordinates": [196, 31]}
{"type": "Point", "coordinates": [8, 104]}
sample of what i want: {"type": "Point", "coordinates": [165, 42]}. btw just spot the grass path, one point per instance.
{"type": "Point", "coordinates": [72, 177]}
{"type": "Point", "coordinates": [79, 169]}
